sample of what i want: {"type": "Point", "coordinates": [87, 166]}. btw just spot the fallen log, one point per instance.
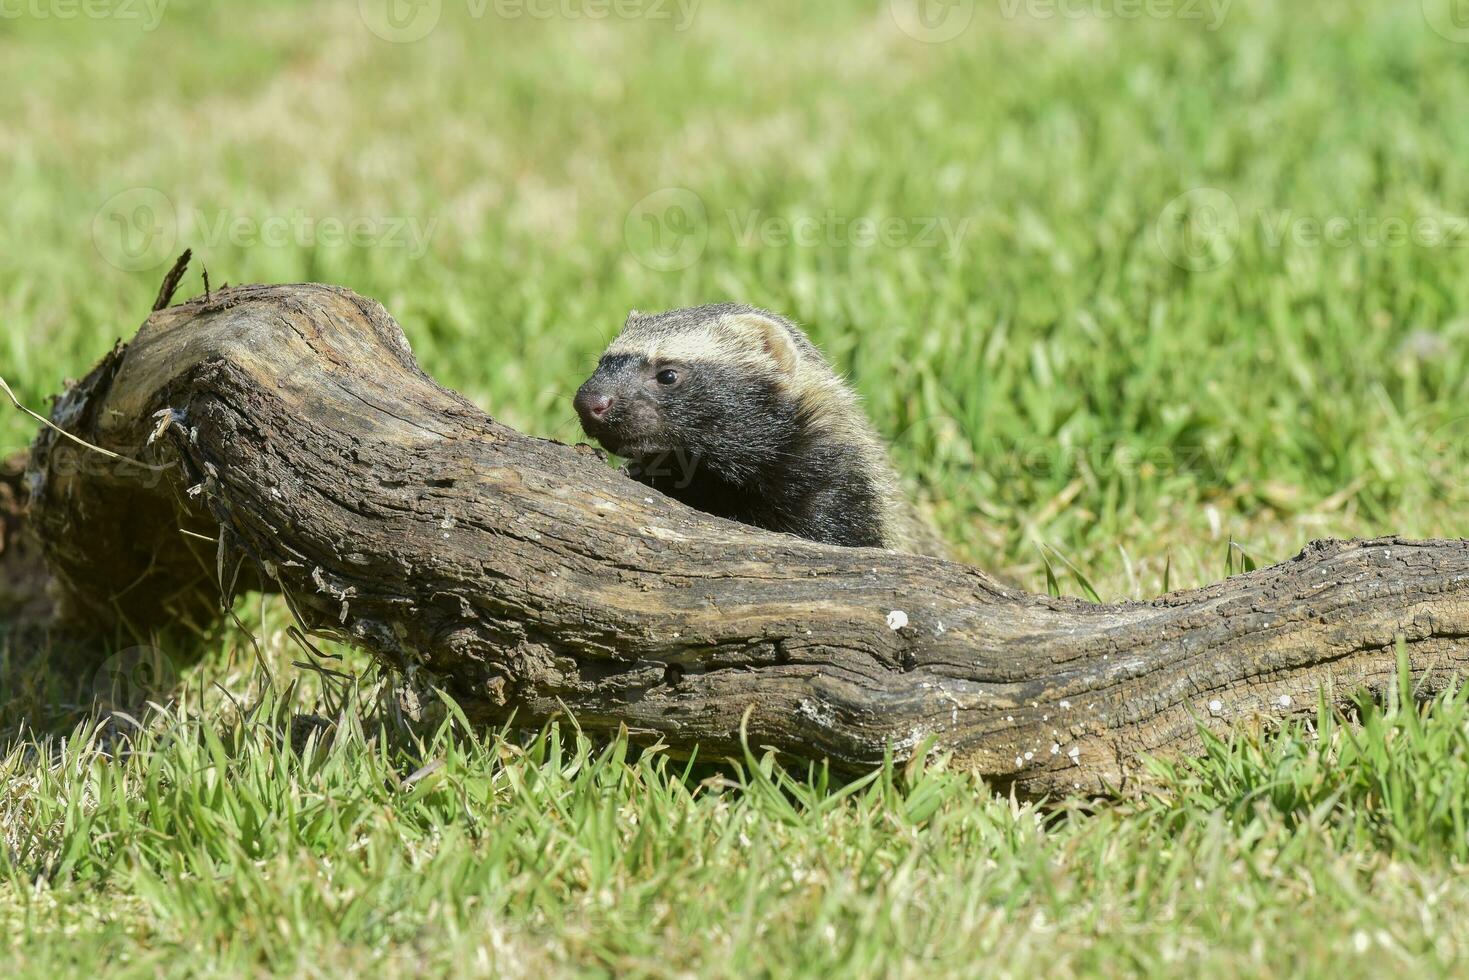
{"type": "Point", "coordinates": [283, 437]}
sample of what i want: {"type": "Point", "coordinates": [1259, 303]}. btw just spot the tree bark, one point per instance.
{"type": "Point", "coordinates": [291, 427]}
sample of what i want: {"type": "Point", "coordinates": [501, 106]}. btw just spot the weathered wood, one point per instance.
{"type": "Point", "coordinates": [529, 577]}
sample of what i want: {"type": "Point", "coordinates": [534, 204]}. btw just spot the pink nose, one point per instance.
{"type": "Point", "coordinates": [595, 404]}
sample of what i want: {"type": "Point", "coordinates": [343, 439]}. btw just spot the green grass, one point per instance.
{"type": "Point", "coordinates": [1095, 389]}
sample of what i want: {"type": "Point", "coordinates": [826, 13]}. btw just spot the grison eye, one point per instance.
{"type": "Point", "coordinates": [668, 376]}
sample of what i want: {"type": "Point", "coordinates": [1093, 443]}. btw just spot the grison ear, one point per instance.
{"type": "Point", "coordinates": [766, 334]}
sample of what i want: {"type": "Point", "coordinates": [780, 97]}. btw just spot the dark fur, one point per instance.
{"type": "Point", "coordinates": [731, 442]}
{"type": "Point", "coordinates": [783, 477]}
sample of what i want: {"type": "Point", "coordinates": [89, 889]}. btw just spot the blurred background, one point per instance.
{"type": "Point", "coordinates": [1123, 281]}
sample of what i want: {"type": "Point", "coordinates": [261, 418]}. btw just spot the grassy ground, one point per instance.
{"type": "Point", "coordinates": [1143, 292]}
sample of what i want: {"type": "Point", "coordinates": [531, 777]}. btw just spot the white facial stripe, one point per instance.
{"type": "Point", "coordinates": [687, 347]}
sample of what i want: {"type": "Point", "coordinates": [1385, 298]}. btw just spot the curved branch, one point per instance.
{"type": "Point", "coordinates": [530, 578]}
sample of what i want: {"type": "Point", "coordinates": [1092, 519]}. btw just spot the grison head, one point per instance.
{"type": "Point", "coordinates": [725, 385]}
